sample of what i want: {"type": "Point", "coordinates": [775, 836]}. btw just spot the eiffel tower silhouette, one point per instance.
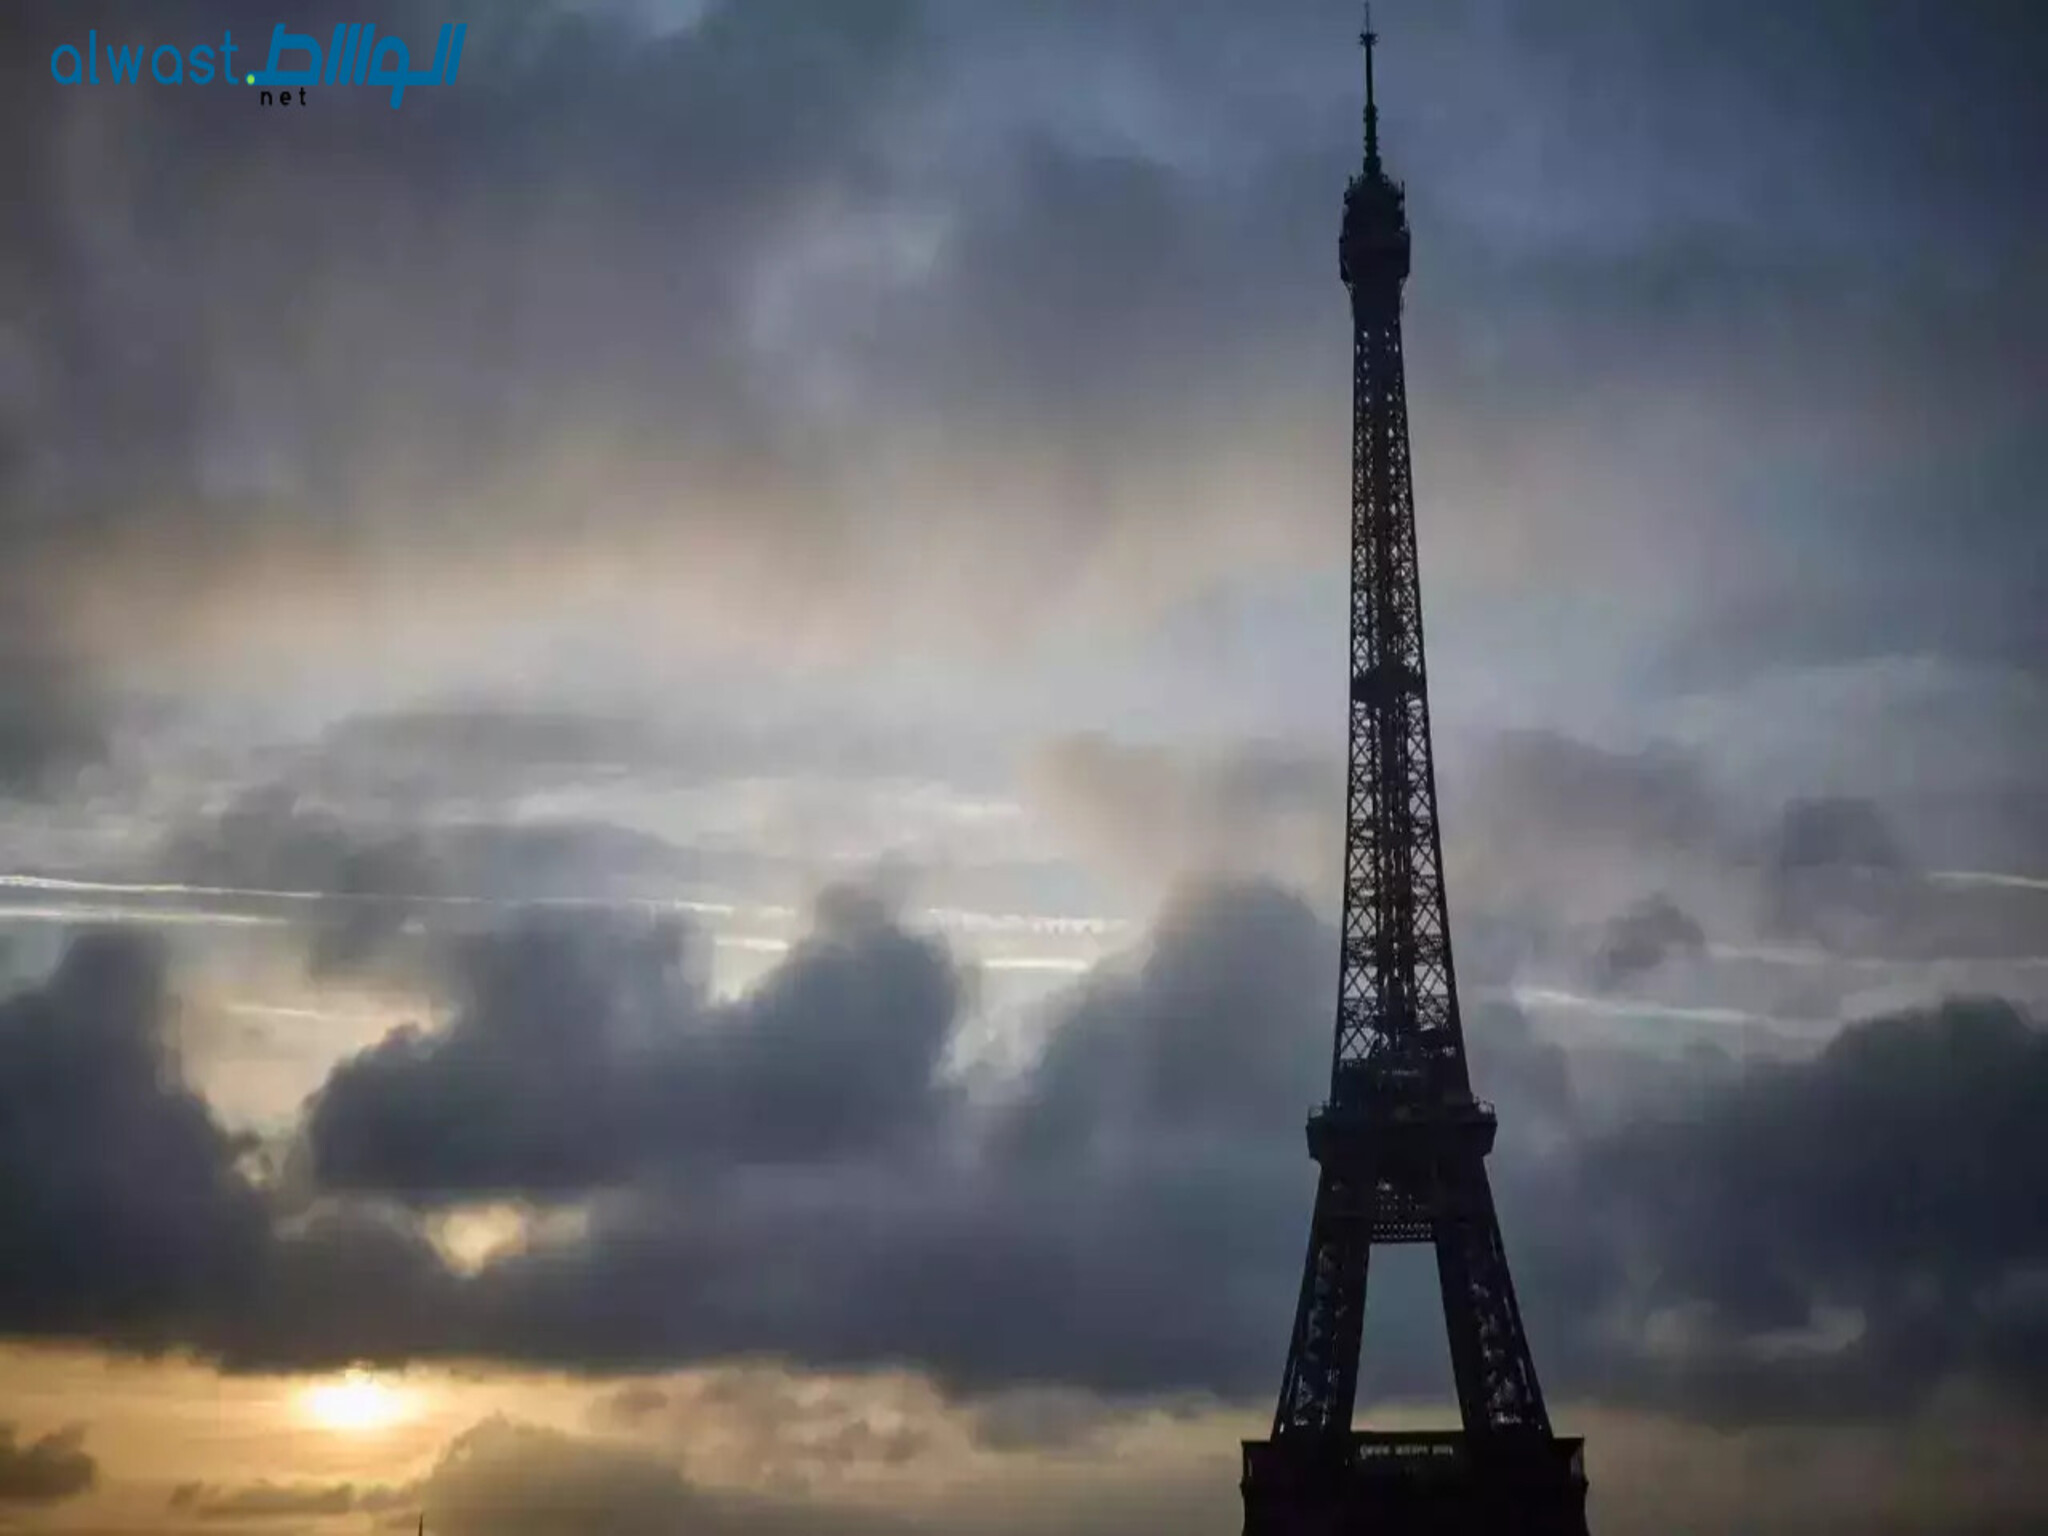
{"type": "Point", "coordinates": [1402, 1142]}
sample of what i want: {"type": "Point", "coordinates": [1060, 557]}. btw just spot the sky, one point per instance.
{"type": "Point", "coordinates": [671, 755]}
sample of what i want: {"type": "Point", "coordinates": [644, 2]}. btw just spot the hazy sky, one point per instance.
{"type": "Point", "coordinates": [670, 754]}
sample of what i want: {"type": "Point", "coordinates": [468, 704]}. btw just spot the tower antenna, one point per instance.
{"type": "Point", "coordinates": [1368, 39]}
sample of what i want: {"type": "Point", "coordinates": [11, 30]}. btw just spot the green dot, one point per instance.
{"type": "Point", "coordinates": [249, 79]}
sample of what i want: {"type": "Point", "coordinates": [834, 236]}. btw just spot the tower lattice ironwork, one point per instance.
{"type": "Point", "coordinates": [1402, 1141]}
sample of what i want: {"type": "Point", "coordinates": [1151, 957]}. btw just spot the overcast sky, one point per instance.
{"type": "Point", "coordinates": [671, 745]}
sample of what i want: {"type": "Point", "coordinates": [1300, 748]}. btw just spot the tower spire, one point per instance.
{"type": "Point", "coordinates": [1369, 39]}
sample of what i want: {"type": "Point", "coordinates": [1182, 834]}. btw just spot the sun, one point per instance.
{"type": "Point", "coordinates": [356, 1402]}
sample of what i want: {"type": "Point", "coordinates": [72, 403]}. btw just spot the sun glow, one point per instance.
{"type": "Point", "coordinates": [356, 1403]}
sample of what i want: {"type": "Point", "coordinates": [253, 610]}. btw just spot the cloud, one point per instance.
{"type": "Point", "coordinates": [1571, 861]}
{"type": "Point", "coordinates": [277, 1501]}
{"type": "Point", "coordinates": [1640, 939]}
{"type": "Point", "coordinates": [1835, 872]}
{"type": "Point", "coordinates": [361, 870]}
{"type": "Point", "coordinates": [390, 833]}
{"type": "Point", "coordinates": [1153, 816]}
{"type": "Point", "coordinates": [48, 1470]}
{"type": "Point", "coordinates": [836, 1055]}
{"type": "Point", "coordinates": [775, 251]}
{"type": "Point", "coordinates": [1041, 1419]}
{"type": "Point", "coordinates": [374, 881]}
{"type": "Point", "coordinates": [1149, 1144]}
{"type": "Point", "coordinates": [943, 349]}
{"type": "Point", "coordinates": [502, 1476]}
{"type": "Point", "coordinates": [119, 1187]}
{"type": "Point", "coordinates": [1836, 833]}
{"type": "Point", "coordinates": [487, 747]}
{"type": "Point", "coordinates": [52, 719]}
{"type": "Point", "coordinates": [763, 1426]}
{"type": "Point", "coordinates": [372, 886]}
{"type": "Point", "coordinates": [475, 740]}
{"type": "Point", "coordinates": [1531, 818]}
{"type": "Point", "coordinates": [1567, 838]}
{"type": "Point", "coordinates": [632, 1404]}
{"type": "Point", "coordinates": [1886, 1179]}
{"type": "Point", "coordinates": [768, 1215]}
{"type": "Point", "coordinates": [1544, 815]}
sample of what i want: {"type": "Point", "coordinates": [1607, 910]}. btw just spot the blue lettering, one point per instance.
{"type": "Point", "coordinates": [298, 42]}
{"type": "Point", "coordinates": [356, 55]}
{"type": "Point", "coordinates": [401, 74]}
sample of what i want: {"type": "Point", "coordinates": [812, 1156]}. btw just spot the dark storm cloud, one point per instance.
{"type": "Point", "coordinates": [1897, 1174]}
{"type": "Point", "coordinates": [1162, 1051]}
{"type": "Point", "coordinates": [125, 1217]}
{"type": "Point", "coordinates": [583, 1056]}
{"type": "Point", "coordinates": [136, 1218]}
{"type": "Point", "coordinates": [1114, 1174]}
{"type": "Point", "coordinates": [48, 1470]}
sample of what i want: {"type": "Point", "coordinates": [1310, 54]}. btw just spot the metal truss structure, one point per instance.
{"type": "Point", "coordinates": [1402, 1141]}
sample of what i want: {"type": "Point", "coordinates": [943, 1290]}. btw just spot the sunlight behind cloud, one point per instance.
{"type": "Point", "coordinates": [358, 1403]}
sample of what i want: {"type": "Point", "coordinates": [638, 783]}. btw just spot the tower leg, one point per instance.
{"type": "Point", "coordinates": [1321, 1384]}
{"type": "Point", "coordinates": [1496, 1375]}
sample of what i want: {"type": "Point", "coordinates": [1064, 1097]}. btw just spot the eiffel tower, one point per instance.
{"type": "Point", "coordinates": [1402, 1141]}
